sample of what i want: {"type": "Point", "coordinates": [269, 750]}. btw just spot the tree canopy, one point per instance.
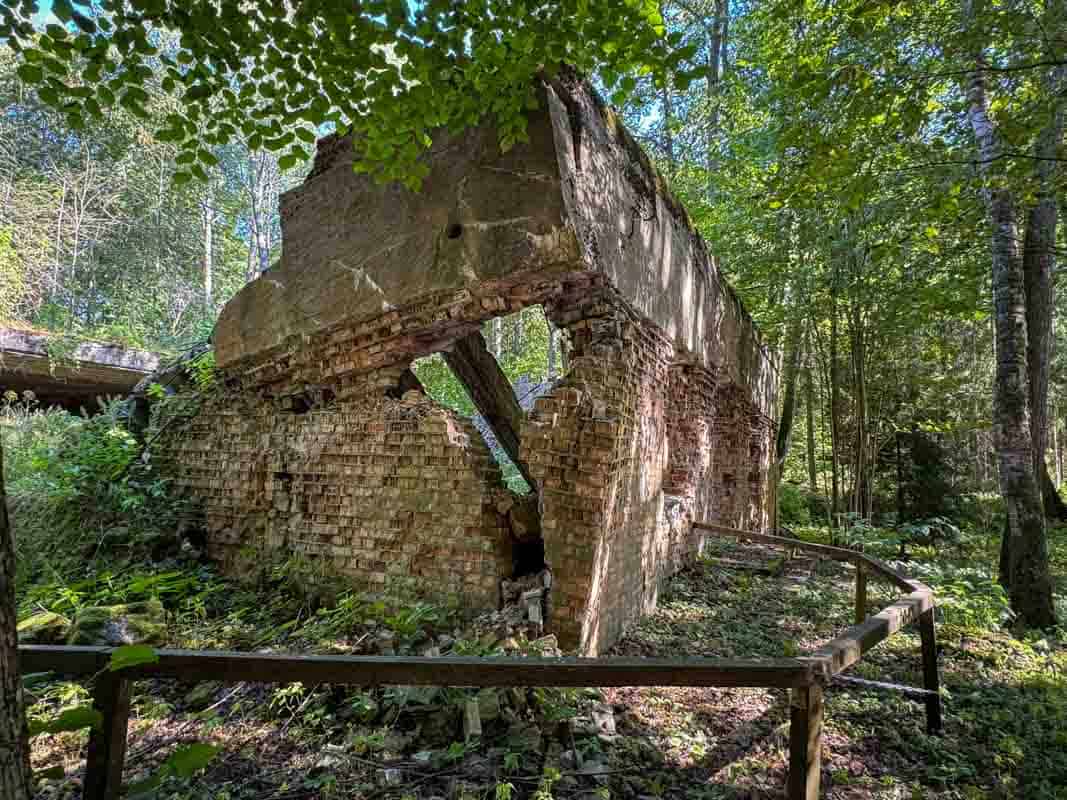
{"type": "Point", "coordinates": [273, 74]}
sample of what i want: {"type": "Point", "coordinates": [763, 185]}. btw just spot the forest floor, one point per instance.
{"type": "Point", "coordinates": [1005, 702]}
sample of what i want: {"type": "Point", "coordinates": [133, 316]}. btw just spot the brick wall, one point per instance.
{"type": "Point", "coordinates": [380, 487]}
{"type": "Point", "coordinates": [316, 449]}
{"type": "Point", "coordinates": [629, 449]}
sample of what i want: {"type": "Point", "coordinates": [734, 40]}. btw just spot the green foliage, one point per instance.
{"type": "Point", "coordinates": [794, 507]}
{"type": "Point", "coordinates": [11, 277]}
{"type": "Point", "coordinates": [966, 596]}
{"type": "Point", "coordinates": [390, 70]}
{"type": "Point", "coordinates": [442, 385]}
{"type": "Point", "coordinates": [78, 487]}
{"type": "Point", "coordinates": [203, 371]}
{"type": "Point", "coordinates": [72, 719]}
{"type": "Point", "coordinates": [183, 763]}
{"type": "Point", "coordinates": [95, 239]}
{"type": "Point", "coordinates": [132, 655]}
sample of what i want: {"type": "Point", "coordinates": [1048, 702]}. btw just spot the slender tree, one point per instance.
{"type": "Point", "coordinates": [1018, 388]}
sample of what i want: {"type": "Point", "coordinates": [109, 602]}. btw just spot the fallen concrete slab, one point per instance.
{"type": "Point", "coordinates": [68, 373]}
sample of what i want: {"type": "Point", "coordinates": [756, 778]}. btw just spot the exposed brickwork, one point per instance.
{"type": "Point", "coordinates": [378, 486]}
{"type": "Point", "coordinates": [338, 357]}
{"type": "Point", "coordinates": [663, 415]}
{"type": "Point", "coordinates": [628, 448]}
{"type": "Point", "coordinates": [742, 440]}
{"type": "Point", "coordinates": [624, 450]}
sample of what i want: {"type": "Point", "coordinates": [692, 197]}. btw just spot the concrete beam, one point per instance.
{"type": "Point", "coordinates": [76, 376]}
{"type": "Point", "coordinates": [491, 392]}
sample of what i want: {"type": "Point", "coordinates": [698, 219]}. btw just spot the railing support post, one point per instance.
{"type": "Point", "coordinates": [861, 592]}
{"type": "Point", "coordinates": [931, 680]}
{"type": "Point", "coordinates": [805, 742]}
{"type": "Point", "coordinates": [107, 744]}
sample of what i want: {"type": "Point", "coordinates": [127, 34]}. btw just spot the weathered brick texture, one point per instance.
{"type": "Point", "coordinates": [379, 487]}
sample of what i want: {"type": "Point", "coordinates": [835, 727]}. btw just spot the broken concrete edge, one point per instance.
{"type": "Point", "coordinates": [345, 259]}
{"type": "Point", "coordinates": [75, 352]}
{"type": "Point", "coordinates": [674, 205]}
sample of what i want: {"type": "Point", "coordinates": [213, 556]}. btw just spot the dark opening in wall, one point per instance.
{"type": "Point", "coordinates": [296, 404]}
{"type": "Point", "coordinates": [529, 557]}
{"type": "Point", "coordinates": [305, 401]}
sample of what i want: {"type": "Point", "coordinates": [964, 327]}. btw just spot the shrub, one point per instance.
{"type": "Point", "coordinates": [77, 487]}
{"type": "Point", "coordinates": [966, 596]}
{"type": "Point", "coordinates": [793, 505]}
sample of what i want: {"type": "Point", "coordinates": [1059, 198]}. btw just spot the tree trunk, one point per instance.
{"type": "Point", "coordinates": [1039, 266]}
{"type": "Point", "coordinates": [716, 50]}
{"type": "Point", "coordinates": [835, 407]}
{"type": "Point", "coordinates": [809, 407]}
{"type": "Point", "coordinates": [551, 351]}
{"type": "Point", "coordinates": [491, 392]}
{"type": "Point", "coordinates": [1024, 552]}
{"type": "Point", "coordinates": [209, 253]}
{"type": "Point", "coordinates": [518, 335]}
{"type": "Point", "coordinates": [14, 735]}
{"type": "Point", "coordinates": [793, 353]}
{"type": "Point", "coordinates": [251, 270]}
{"type": "Point", "coordinates": [858, 502]}
{"type": "Point", "coordinates": [1057, 447]}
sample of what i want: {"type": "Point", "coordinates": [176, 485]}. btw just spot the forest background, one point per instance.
{"type": "Point", "coordinates": [882, 182]}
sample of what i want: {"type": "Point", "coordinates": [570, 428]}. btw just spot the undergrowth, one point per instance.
{"type": "Point", "coordinates": [97, 527]}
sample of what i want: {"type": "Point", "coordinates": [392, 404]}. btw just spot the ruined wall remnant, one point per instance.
{"type": "Point", "coordinates": [321, 442]}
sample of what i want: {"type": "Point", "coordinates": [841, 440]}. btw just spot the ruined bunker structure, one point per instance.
{"type": "Point", "coordinates": [323, 441]}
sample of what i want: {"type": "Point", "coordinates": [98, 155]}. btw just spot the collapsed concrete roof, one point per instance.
{"type": "Point", "coordinates": [68, 374]}
{"type": "Point", "coordinates": [580, 196]}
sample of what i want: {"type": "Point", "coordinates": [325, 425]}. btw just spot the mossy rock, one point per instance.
{"type": "Point", "coordinates": [114, 626]}
{"type": "Point", "coordinates": [45, 627]}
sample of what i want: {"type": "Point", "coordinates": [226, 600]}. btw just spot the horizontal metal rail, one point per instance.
{"type": "Point", "coordinates": [883, 686]}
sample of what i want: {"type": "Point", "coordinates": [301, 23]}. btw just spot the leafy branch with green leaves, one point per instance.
{"type": "Point", "coordinates": [389, 71]}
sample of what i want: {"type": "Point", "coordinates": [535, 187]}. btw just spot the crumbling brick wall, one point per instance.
{"type": "Point", "coordinates": [318, 445]}
{"type": "Point", "coordinates": [599, 441]}
{"type": "Point", "coordinates": [629, 447]}
{"type": "Point", "coordinates": [624, 450]}
{"type": "Point", "coordinates": [381, 488]}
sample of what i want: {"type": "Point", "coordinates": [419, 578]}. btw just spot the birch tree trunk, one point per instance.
{"type": "Point", "coordinates": [1024, 553]}
{"type": "Point", "coordinates": [835, 407]}
{"type": "Point", "coordinates": [861, 472]}
{"type": "Point", "coordinates": [209, 252]}
{"type": "Point", "coordinates": [809, 408]}
{"type": "Point", "coordinates": [716, 59]}
{"type": "Point", "coordinates": [14, 735]}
